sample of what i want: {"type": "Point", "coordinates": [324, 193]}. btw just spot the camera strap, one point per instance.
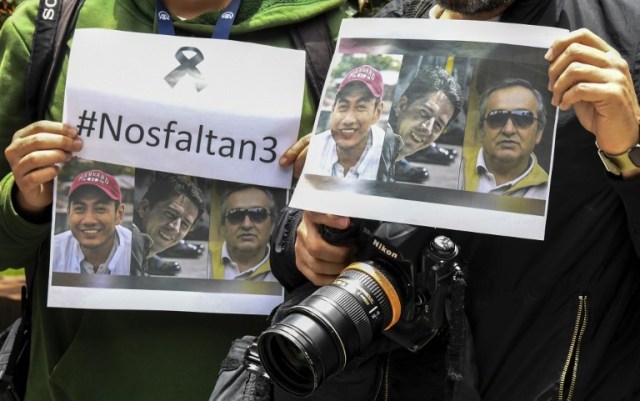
{"type": "Point", "coordinates": [236, 380]}
{"type": "Point", "coordinates": [460, 356]}
{"type": "Point", "coordinates": [56, 20]}
{"type": "Point", "coordinates": [222, 29]}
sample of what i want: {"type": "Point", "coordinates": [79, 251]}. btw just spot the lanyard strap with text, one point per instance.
{"type": "Point", "coordinates": [222, 30]}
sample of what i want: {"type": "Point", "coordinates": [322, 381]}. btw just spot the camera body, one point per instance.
{"type": "Point", "coordinates": [398, 287]}
{"type": "Point", "coordinates": [424, 264]}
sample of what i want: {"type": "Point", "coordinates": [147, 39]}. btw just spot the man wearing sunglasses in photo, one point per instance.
{"type": "Point", "coordinates": [247, 215]}
{"type": "Point", "coordinates": [512, 122]}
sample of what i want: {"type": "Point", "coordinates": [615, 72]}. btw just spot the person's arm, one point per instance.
{"type": "Point", "coordinates": [31, 153]}
{"type": "Point", "coordinates": [586, 73]}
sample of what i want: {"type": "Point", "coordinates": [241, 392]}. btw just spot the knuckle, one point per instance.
{"type": "Point", "coordinates": [621, 64]}
{"type": "Point", "coordinates": [574, 50]}
{"type": "Point", "coordinates": [313, 247]}
{"type": "Point", "coordinates": [583, 31]}
{"type": "Point", "coordinates": [575, 68]}
{"type": "Point", "coordinates": [33, 141]}
{"type": "Point", "coordinates": [29, 180]}
{"type": "Point", "coordinates": [38, 126]}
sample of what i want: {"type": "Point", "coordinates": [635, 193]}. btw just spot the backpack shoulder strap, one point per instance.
{"type": "Point", "coordinates": [54, 23]}
{"type": "Point", "coordinates": [315, 38]}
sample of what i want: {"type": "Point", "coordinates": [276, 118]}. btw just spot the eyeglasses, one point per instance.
{"type": "Point", "coordinates": [520, 118]}
{"type": "Point", "coordinates": [256, 214]}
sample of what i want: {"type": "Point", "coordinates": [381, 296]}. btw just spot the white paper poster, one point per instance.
{"type": "Point", "coordinates": [490, 168]}
{"type": "Point", "coordinates": [172, 200]}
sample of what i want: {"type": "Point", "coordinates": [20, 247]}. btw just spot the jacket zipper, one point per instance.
{"type": "Point", "coordinates": [385, 379]}
{"type": "Point", "coordinates": [570, 370]}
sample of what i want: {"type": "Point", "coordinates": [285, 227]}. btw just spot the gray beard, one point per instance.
{"type": "Point", "coordinates": [471, 7]}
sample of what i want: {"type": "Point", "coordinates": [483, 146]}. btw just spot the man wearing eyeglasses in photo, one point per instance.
{"type": "Point", "coordinates": [512, 121]}
{"type": "Point", "coordinates": [247, 215]}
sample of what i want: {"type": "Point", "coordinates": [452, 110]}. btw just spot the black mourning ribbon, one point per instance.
{"type": "Point", "coordinates": [187, 67]}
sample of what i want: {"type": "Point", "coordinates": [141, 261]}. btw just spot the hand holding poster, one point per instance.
{"type": "Point", "coordinates": [437, 123]}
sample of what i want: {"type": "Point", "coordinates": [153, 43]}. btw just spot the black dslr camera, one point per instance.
{"type": "Point", "coordinates": [397, 286]}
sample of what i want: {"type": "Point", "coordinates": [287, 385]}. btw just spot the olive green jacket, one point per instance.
{"type": "Point", "coordinates": [96, 355]}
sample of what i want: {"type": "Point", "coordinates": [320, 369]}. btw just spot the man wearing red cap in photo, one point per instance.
{"type": "Point", "coordinates": [96, 243]}
{"type": "Point", "coordinates": [353, 145]}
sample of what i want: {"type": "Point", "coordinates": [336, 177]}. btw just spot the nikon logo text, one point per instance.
{"type": "Point", "coordinates": [384, 249]}
{"type": "Point", "coordinates": [49, 13]}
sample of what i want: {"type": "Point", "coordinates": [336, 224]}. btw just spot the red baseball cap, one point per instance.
{"type": "Point", "coordinates": [368, 76]}
{"type": "Point", "coordinates": [100, 179]}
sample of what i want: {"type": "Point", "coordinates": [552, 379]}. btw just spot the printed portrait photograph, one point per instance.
{"type": "Point", "coordinates": [171, 212]}
{"type": "Point", "coordinates": [93, 217]}
{"type": "Point", "coordinates": [509, 136]}
{"type": "Point", "coordinates": [350, 134]}
{"type": "Point", "coordinates": [243, 217]}
{"type": "Point", "coordinates": [427, 119]}
{"type": "Point", "coordinates": [468, 132]}
{"type": "Point", "coordinates": [165, 241]}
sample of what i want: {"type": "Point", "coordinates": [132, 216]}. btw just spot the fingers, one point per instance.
{"type": "Point", "coordinates": [34, 153]}
{"type": "Point", "coordinates": [582, 36]}
{"type": "Point", "coordinates": [299, 164]}
{"type": "Point", "coordinates": [43, 136]}
{"type": "Point", "coordinates": [319, 261]}
{"type": "Point", "coordinates": [590, 76]}
{"type": "Point", "coordinates": [296, 155]}
{"type": "Point", "coordinates": [580, 63]}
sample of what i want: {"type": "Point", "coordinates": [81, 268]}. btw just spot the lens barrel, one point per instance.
{"type": "Point", "coordinates": [319, 336]}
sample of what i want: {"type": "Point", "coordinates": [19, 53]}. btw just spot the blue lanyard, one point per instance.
{"type": "Point", "coordinates": [222, 29]}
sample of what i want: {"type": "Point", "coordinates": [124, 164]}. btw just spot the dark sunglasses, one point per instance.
{"type": "Point", "coordinates": [520, 118]}
{"type": "Point", "coordinates": [256, 214]}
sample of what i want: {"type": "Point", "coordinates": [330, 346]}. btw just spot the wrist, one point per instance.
{"type": "Point", "coordinates": [625, 164]}
{"type": "Point", "coordinates": [32, 214]}
{"type": "Point", "coordinates": [632, 174]}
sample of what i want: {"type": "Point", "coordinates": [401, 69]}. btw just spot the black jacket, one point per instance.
{"type": "Point", "coordinates": [562, 316]}
{"type": "Point", "coordinates": [551, 320]}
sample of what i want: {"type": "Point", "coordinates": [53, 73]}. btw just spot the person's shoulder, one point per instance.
{"type": "Point", "coordinates": [606, 19]}
{"type": "Point", "coordinates": [377, 131]}
{"type": "Point", "coordinates": [21, 24]}
{"type": "Point", "coordinates": [63, 235]}
{"type": "Point", "coordinates": [323, 135]}
{"type": "Point", "coordinates": [124, 233]}
{"type": "Point", "coordinates": [404, 9]}
{"type": "Point", "coordinates": [64, 242]}
{"type": "Point", "coordinates": [26, 9]}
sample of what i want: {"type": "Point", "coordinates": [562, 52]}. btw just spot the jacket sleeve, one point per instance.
{"type": "Point", "coordinates": [19, 239]}
{"type": "Point", "coordinates": [15, 42]}
{"type": "Point", "coordinates": [629, 192]}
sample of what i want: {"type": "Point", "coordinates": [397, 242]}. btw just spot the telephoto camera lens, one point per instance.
{"type": "Point", "coordinates": [319, 336]}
